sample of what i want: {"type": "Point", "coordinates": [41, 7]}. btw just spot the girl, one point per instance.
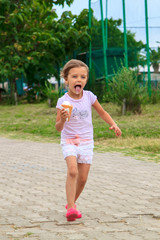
{"type": "Point", "coordinates": [77, 133]}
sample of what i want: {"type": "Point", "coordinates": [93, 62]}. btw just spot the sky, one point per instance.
{"type": "Point", "coordinates": [135, 16]}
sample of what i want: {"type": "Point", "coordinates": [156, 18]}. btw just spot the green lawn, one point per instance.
{"type": "Point", "coordinates": [140, 133]}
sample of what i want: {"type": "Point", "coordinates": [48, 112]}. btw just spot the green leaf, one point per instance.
{"type": "Point", "coordinates": [20, 17]}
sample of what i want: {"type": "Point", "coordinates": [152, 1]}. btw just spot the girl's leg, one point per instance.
{"type": "Point", "coordinates": [83, 170]}
{"type": "Point", "coordinates": [72, 173]}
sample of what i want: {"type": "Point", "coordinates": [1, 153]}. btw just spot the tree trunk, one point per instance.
{"type": "Point", "coordinates": [49, 102]}
{"type": "Point", "coordinates": [124, 107]}
{"type": "Point", "coordinates": [13, 92]}
{"type": "Point", "coordinates": [156, 68]}
{"type": "Point", "coordinates": [15, 98]}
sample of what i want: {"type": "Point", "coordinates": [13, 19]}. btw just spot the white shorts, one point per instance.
{"type": "Point", "coordinates": [83, 151]}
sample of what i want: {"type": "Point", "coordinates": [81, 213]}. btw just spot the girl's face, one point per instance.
{"type": "Point", "coordinates": [76, 80]}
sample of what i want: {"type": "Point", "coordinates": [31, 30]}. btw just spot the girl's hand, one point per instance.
{"type": "Point", "coordinates": [63, 114]}
{"type": "Point", "coordinates": [116, 129]}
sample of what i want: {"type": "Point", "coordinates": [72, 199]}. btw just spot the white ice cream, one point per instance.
{"type": "Point", "coordinates": [66, 103]}
{"type": "Point", "coordinates": [66, 109]}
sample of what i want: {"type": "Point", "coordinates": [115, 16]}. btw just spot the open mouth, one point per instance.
{"type": "Point", "coordinates": [77, 88]}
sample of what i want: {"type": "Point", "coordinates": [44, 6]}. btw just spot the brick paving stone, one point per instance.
{"type": "Point", "coordinates": [120, 200]}
{"type": "Point", "coordinates": [126, 236]}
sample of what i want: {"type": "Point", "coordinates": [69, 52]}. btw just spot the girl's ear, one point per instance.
{"type": "Point", "coordinates": [66, 81]}
{"type": "Point", "coordinates": [66, 85]}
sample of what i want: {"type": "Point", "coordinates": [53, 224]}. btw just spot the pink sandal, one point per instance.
{"type": "Point", "coordinates": [71, 214]}
{"type": "Point", "coordinates": [79, 214]}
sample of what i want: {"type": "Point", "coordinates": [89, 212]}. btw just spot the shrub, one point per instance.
{"type": "Point", "coordinates": [53, 99]}
{"type": "Point", "coordinates": [98, 87]}
{"type": "Point", "coordinates": [155, 96]}
{"type": "Point", "coordinates": [34, 94]}
{"type": "Point", "coordinates": [51, 94]}
{"type": "Point", "coordinates": [125, 87]}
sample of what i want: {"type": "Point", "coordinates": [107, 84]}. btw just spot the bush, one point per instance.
{"type": "Point", "coordinates": [125, 87]}
{"type": "Point", "coordinates": [98, 87]}
{"type": "Point", "coordinates": [155, 96]}
{"type": "Point", "coordinates": [34, 94]}
{"type": "Point", "coordinates": [52, 101]}
{"type": "Point", "coordinates": [50, 94]}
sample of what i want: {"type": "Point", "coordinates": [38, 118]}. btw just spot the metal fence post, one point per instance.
{"type": "Point", "coordinates": [147, 48]}
{"type": "Point", "coordinates": [104, 45]}
{"type": "Point", "coordinates": [125, 35]}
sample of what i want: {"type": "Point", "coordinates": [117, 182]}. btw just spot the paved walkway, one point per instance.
{"type": "Point", "coordinates": [121, 199]}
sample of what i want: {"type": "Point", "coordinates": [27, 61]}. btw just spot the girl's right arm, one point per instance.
{"type": "Point", "coordinates": [107, 118]}
{"type": "Point", "coordinates": [60, 119]}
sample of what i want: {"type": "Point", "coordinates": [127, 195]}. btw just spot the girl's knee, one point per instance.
{"type": "Point", "coordinates": [73, 172]}
{"type": "Point", "coordinates": [82, 180]}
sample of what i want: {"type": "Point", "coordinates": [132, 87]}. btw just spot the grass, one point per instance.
{"type": "Point", "coordinates": [140, 138]}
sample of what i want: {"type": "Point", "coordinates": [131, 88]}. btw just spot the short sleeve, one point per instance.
{"type": "Point", "coordinates": [93, 97]}
{"type": "Point", "coordinates": [59, 102]}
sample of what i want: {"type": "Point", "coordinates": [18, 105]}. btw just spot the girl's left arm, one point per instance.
{"type": "Point", "coordinates": [107, 118]}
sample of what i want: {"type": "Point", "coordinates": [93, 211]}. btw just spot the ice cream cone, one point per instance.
{"type": "Point", "coordinates": [68, 107]}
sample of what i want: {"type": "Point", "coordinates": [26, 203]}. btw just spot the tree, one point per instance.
{"type": "Point", "coordinates": [33, 41]}
{"type": "Point", "coordinates": [75, 31]}
{"type": "Point", "coordinates": [116, 39]}
{"type": "Point", "coordinates": [125, 90]}
{"type": "Point", "coordinates": [155, 59]}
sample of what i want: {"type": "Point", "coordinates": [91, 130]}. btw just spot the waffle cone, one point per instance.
{"type": "Point", "coordinates": [69, 109]}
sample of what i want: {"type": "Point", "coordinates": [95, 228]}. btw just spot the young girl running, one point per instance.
{"type": "Point", "coordinates": [77, 133]}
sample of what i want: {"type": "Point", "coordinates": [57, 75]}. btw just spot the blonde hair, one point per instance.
{"type": "Point", "coordinates": [73, 63]}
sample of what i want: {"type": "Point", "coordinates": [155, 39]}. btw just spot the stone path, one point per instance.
{"type": "Point", "coordinates": [121, 200]}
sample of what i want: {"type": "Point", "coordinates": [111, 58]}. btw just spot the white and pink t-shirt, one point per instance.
{"type": "Point", "coordinates": [80, 123]}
